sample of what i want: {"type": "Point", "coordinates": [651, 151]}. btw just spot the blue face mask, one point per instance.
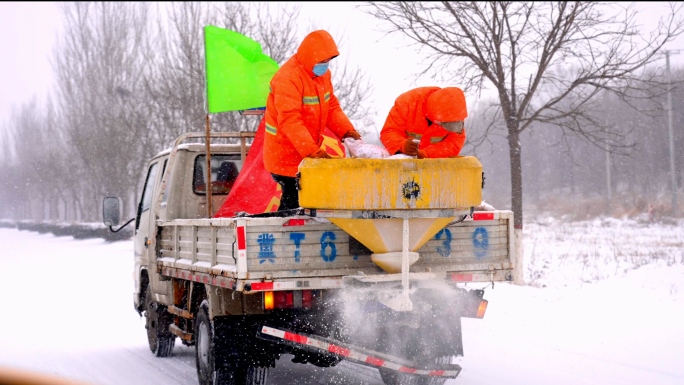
{"type": "Point", "coordinates": [320, 68]}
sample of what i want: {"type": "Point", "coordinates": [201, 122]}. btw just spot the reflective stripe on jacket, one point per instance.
{"type": "Point", "coordinates": [407, 119]}
{"type": "Point", "coordinates": [300, 106]}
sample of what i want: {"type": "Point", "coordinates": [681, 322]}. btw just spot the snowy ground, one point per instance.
{"type": "Point", "coordinates": [604, 305]}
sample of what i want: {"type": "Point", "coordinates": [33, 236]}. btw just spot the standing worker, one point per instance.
{"type": "Point", "coordinates": [300, 105]}
{"type": "Point", "coordinates": [426, 122]}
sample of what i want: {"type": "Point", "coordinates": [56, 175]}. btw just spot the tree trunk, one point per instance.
{"type": "Point", "coordinates": [134, 202]}
{"type": "Point", "coordinates": [516, 201]}
{"type": "Point", "coordinates": [43, 207]}
{"type": "Point", "coordinates": [516, 177]}
{"type": "Point", "coordinates": [519, 278]}
{"type": "Point", "coordinates": [78, 213]}
{"type": "Point", "coordinates": [54, 207]}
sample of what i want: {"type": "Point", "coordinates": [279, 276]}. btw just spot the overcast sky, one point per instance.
{"type": "Point", "coordinates": [29, 30]}
{"type": "Point", "coordinates": [27, 33]}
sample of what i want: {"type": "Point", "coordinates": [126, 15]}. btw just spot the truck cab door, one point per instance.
{"type": "Point", "coordinates": [144, 227]}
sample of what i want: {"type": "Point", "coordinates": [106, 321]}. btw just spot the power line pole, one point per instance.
{"type": "Point", "coordinates": [673, 175]}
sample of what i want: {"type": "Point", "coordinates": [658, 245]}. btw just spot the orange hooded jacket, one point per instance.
{"type": "Point", "coordinates": [300, 105]}
{"type": "Point", "coordinates": [408, 119]}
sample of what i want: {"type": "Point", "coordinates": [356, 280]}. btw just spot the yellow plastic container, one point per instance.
{"type": "Point", "coordinates": [390, 184]}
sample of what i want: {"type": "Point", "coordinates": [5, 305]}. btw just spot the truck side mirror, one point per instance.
{"type": "Point", "coordinates": [110, 211]}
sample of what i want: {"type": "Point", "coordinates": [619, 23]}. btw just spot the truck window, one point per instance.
{"type": "Point", "coordinates": [146, 199]}
{"type": "Point", "coordinates": [166, 191]}
{"type": "Point", "coordinates": [224, 172]}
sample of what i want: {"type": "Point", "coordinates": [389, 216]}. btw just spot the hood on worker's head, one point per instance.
{"type": "Point", "coordinates": [316, 47]}
{"type": "Point", "coordinates": [446, 105]}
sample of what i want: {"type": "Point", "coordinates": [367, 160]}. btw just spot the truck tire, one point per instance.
{"type": "Point", "coordinates": [214, 367]}
{"type": "Point", "coordinates": [157, 321]}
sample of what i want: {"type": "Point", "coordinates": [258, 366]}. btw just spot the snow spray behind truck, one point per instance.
{"type": "Point", "coordinates": [372, 268]}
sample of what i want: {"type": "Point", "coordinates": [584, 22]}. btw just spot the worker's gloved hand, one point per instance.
{"type": "Point", "coordinates": [352, 134]}
{"type": "Point", "coordinates": [409, 147]}
{"type": "Point", "coordinates": [422, 154]}
{"type": "Point", "coordinates": [321, 153]}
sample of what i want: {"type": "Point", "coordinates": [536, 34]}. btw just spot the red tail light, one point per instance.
{"type": "Point", "coordinates": [307, 299]}
{"type": "Point", "coordinates": [283, 300]}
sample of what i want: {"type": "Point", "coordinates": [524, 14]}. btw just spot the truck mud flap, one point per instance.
{"type": "Point", "coordinates": [355, 354]}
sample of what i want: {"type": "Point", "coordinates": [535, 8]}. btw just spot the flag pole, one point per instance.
{"type": "Point", "coordinates": [208, 187]}
{"type": "Point", "coordinates": [207, 183]}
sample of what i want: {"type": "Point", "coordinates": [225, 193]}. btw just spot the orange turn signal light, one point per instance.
{"type": "Point", "coordinates": [482, 308]}
{"type": "Point", "coordinates": [269, 302]}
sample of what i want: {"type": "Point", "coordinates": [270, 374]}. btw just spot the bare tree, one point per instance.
{"type": "Point", "coordinates": [567, 176]}
{"type": "Point", "coordinates": [124, 91]}
{"type": "Point", "coordinates": [353, 87]}
{"type": "Point", "coordinates": [100, 63]}
{"type": "Point", "coordinates": [177, 85]}
{"type": "Point", "coordinates": [275, 26]}
{"type": "Point", "coordinates": [13, 193]}
{"type": "Point", "coordinates": [30, 148]}
{"type": "Point", "coordinates": [546, 61]}
{"type": "Point", "coordinates": [353, 90]}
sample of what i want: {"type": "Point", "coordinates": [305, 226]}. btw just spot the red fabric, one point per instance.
{"type": "Point", "coordinates": [254, 190]}
{"type": "Point", "coordinates": [301, 106]}
{"type": "Point", "coordinates": [407, 119]}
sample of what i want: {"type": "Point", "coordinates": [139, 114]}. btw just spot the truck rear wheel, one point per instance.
{"type": "Point", "coordinates": [157, 321]}
{"type": "Point", "coordinates": [214, 366]}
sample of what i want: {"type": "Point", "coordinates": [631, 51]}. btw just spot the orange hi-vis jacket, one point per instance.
{"type": "Point", "coordinates": [300, 105]}
{"type": "Point", "coordinates": [407, 119]}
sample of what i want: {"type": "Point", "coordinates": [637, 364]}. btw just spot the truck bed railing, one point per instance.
{"type": "Point", "coordinates": [477, 249]}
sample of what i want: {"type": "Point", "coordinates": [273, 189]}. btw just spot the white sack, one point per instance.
{"type": "Point", "coordinates": [359, 149]}
{"type": "Point", "coordinates": [401, 156]}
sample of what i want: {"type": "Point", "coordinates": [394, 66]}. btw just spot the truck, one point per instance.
{"type": "Point", "coordinates": [378, 266]}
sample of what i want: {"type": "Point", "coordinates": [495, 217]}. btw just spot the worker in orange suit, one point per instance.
{"type": "Point", "coordinates": [300, 105]}
{"type": "Point", "coordinates": [426, 122]}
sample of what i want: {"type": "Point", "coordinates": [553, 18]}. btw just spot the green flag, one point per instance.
{"type": "Point", "coordinates": [238, 72]}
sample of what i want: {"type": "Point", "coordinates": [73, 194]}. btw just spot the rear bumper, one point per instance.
{"type": "Point", "coordinates": [361, 356]}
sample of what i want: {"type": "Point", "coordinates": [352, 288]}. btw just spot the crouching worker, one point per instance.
{"type": "Point", "coordinates": [426, 122]}
{"type": "Point", "coordinates": [300, 105]}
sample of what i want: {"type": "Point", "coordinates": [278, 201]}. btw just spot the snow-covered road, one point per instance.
{"type": "Point", "coordinates": [67, 310]}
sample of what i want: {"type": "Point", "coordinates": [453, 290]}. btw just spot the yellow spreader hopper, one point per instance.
{"type": "Point", "coordinates": [373, 196]}
{"type": "Point", "coordinates": [390, 184]}
{"type": "Point", "coordinates": [392, 206]}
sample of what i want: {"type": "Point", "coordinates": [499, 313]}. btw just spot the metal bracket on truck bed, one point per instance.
{"type": "Point", "coordinates": [380, 214]}
{"type": "Point", "coordinates": [355, 354]}
{"type": "Point", "coordinates": [375, 278]}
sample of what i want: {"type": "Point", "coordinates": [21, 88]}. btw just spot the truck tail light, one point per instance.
{"type": "Point", "coordinates": [268, 300]}
{"type": "Point", "coordinates": [283, 300]}
{"type": "Point", "coordinates": [288, 299]}
{"type": "Point", "coordinates": [473, 305]}
{"type": "Point", "coordinates": [307, 298]}
{"type": "Point", "coordinates": [482, 309]}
